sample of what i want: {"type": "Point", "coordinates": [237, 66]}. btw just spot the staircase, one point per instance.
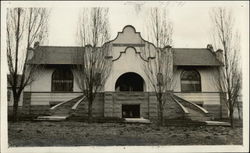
{"type": "Point", "coordinates": [63, 110]}
{"type": "Point", "coordinates": [192, 111]}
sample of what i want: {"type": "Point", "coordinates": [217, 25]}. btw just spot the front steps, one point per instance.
{"type": "Point", "coordinates": [51, 118]}
{"type": "Point", "coordinates": [137, 120]}
{"type": "Point", "coordinates": [191, 110]}
{"type": "Point", "coordinates": [217, 123]}
{"type": "Point", "coordinates": [65, 109]}
{"type": "Point", "coordinates": [62, 110]}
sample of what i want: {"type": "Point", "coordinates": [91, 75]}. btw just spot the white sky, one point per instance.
{"type": "Point", "coordinates": [191, 21]}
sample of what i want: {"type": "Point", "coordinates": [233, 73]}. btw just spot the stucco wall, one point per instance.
{"type": "Point", "coordinates": [208, 83]}
{"type": "Point", "coordinates": [129, 51]}
{"type": "Point", "coordinates": [43, 80]}
{"type": "Point", "coordinates": [128, 62]}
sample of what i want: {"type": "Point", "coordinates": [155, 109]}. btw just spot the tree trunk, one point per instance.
{"type": "Point", "coordinates": [90, 109]}
{"type": "Point", "coordinates": [160, 114]}
{"type": "Point", "coordinates": [15, 108]}
{"type": "Point", "coordinates": [231, 117]}
{"type": "Point", "coordinates": [239, 111]}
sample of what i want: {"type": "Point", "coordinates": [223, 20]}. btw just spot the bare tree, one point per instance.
{"type": "Point", "coordinates": [229, 77]}
{"type": "Point", "coordinates": [24, 27]}
{"type": "Point", "coordinates": [159, 70]}
{"type": "Point", "coordinates": [94, 66]}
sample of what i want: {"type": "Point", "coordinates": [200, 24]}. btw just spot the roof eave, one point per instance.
{"type": "Point", "coordinates": [212, 65]}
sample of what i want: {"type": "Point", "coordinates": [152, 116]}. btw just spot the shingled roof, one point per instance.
{"type": "Point", "coordinates": [55, 55]}
{"type": "Point", "coordinates": [67, 55]}
{"type": "Point", "coordinates": [194, 57]}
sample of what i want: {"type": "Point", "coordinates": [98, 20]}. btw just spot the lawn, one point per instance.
{"type": "Point", "coordinates": [73, 133]}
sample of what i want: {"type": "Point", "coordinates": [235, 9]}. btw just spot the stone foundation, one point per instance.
{"type": "Point", "coordinates": [98, 107]}
{"type": "Point", "coordinates": [109, 104]}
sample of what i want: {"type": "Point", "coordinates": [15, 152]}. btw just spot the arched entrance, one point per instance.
{"type": "Point", "coordinates": [129, 82]}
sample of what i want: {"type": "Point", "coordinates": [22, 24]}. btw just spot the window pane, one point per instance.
{"type": "Point", "coordinates": [62, 80]}
{"type": "Point", "coordinates": [190, 81]}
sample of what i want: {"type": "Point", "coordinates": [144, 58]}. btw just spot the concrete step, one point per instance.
{"type": "Point", "coordinates": [217, 123]}
{"type": "Point", "coordinates": [51, 118]}
{"type": "Point", "coordinates": [137, 120]}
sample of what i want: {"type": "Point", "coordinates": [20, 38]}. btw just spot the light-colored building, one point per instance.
{"type": "Point", "coordinates": [127, 91]}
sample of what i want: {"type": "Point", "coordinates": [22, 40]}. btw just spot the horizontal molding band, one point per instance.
{"type": "Point", "coordinates": [129, 44]}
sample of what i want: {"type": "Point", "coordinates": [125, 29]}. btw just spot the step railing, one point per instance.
{"type": "Point", "coordinates": [57, 105]}
{"type": "Point", "coordinates": [191, 105]}
{"type": "Point", "coordinates": [78, 102]}
{"type": "Point", "coordinates": [182, 107]}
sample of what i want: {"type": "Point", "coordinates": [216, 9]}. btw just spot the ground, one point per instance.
{"type": "Point", "coordinates": [73, 133]}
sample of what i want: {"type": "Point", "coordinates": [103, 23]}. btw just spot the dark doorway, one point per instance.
{"type": "Point", "coordinates": [130, 111]}
{"type": "Point", "coordinates": [129, 82]}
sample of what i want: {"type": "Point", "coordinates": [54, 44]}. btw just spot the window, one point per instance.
{"type": "Point", "coordinates": [129, 82]}
{"type": "Point", "coordinates": [190, 81]}
{"type": "Point", "coordinates": [131, 111]}
{"type": "Point", "coordinates": [62, 80]}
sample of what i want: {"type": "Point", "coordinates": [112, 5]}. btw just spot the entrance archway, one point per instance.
{"type": "Point", "coordinates": [129, 82]}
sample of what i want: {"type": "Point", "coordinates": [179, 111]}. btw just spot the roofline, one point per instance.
{"type": "Point", "coordinates": [210, 65]}
{"type": "Point", "coordinates": [59, 46]}
{"type": "Point", "coordinates": [211, 52]}
{"type": "Point", "coordinates": [100, 47]}
{"type": "Point", "coordinates": [191, 48]}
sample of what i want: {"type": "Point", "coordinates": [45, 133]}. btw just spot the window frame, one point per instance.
{"type": "Point", "coordinates": [199, 80]}
{"type": "Point", "coordinates": [62, 70]}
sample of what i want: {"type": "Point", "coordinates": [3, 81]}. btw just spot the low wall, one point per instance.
{"type": "Point", "coordinates": [109, 104]}
{"type": "Point", "coordinates": [147, 101]}
{"type": "Point", "coordinates": [98, 107]}
{"type": "Point", "coordinates": [38, 103]}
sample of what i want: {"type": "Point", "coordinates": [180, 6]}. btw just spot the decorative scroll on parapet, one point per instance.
{"type": "Point", "coordinates": [123, 52]}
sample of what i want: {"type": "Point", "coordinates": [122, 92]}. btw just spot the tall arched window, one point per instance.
{"type": "Point", "coordinates": [62, 80]}
{"type": "Point", "coordinates": [190, 81]}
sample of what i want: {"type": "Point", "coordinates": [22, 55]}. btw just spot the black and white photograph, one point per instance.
{"type": "Point", "coordinates": [124, 76]}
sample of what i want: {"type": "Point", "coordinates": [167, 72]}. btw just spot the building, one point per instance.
{"type": "Point", "coordinates": [127, 91]}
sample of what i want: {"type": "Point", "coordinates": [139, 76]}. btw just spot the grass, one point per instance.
{"type": "Point", "coordinates": [76, 133]}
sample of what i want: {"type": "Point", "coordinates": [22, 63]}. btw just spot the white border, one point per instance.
{"type": "Point", "coordinates": [195, 148]}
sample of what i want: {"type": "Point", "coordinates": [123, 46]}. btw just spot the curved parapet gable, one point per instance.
{"type": "Point", "coordinates": [130, 38]}
{"type": "Point", "coordinates": [133, 48]}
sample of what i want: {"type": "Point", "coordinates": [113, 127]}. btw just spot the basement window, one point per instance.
{"type": "Point", "coordinates": [131, 111]}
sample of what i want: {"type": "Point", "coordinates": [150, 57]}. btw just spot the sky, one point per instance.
{"type": "Point", "coordinates": [190, 20]}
